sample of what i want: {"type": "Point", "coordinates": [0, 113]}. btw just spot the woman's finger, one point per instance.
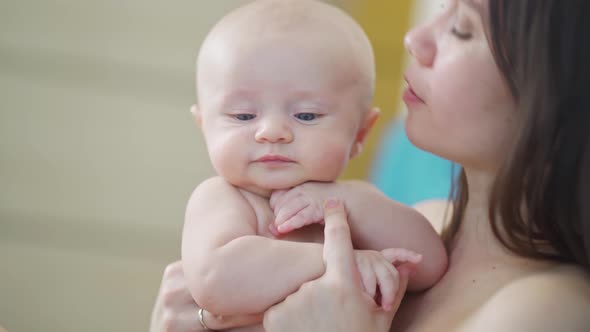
{"type": "Point", "coordinates": [338, 250]}
{"type": "Point", "coordinates": [173, 271]}
{"type": "Point", "coordinates": [186, 320]}
{"type": "Point", "coordinates": [173, 290]}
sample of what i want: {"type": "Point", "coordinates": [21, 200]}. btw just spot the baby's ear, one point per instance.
{"type": "Point", "coordinates": [368, 121]}
{"type": "Point", "coordinates": [196, 114]}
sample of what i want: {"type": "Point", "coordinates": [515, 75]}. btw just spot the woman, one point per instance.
{"type": "Point", "coordinates": [499, 87]}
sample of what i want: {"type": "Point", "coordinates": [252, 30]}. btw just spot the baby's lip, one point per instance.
{"type": "Point", "coordinates": [274, 157]}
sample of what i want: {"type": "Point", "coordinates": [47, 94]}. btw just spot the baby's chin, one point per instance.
{"type": "Point", "coordinates": [266, 189]}
{"type": "Point", "coordinates": [265, 185]}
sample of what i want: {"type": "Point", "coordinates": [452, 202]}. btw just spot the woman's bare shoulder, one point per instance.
{"type": "Point", "coordinates": [557, 299]}
{"type": "Point", "coordinates": [436, 211]}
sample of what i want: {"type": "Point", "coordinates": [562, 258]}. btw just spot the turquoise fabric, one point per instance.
{"type": "Point", "coordinates": [408, 174]}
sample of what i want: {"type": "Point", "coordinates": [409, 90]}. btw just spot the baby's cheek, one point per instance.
{"type": "Point", "coordinates": [225, 158]}
{"type": "Point", "coordinates": [330, 162]}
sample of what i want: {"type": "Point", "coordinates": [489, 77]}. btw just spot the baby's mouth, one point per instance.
{"type": "Point", "coordinates": [274, 158]}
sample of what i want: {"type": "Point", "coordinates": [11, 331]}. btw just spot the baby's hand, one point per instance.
{"type": "Point", "coordinates": [299, 206]}
{"type": "Point", "coordinates": [377, 269]}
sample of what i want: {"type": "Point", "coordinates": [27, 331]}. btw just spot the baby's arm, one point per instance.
{"type": "Point", "coordinates": [231, 270]}
{"type": "Point", "coordinates": [376, 222]}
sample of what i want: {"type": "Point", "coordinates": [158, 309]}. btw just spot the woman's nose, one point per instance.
{"type": "Point", "coordinates": [273, 130]}
{"type": "Point", "coordinates": [421, 44]}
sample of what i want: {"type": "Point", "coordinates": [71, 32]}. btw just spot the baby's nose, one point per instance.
{"type": "Point", "coordinates": [273, 131]}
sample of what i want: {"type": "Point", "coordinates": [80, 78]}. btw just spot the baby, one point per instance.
{"type": "Point", "coordinates": [284, 98]}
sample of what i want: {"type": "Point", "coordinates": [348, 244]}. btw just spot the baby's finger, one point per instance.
{"type": "Point", "coordinates": [388, 280]}
{"type": "Point", "coordinates": [296, 222]}
{"type": "Point", "coordinates": [216, 322]}
{"type": "Point", "coordinates": [301, 219]}
{"type": "Point", "coordinates": [285, 196]}
{"type": "Point", "coordinates": [368, 278]}
{"type": "Point", "coordinates": [290, 209]}
{"type": "Point", "coordinates": [404, 272]}
{"type": "Point", "coordinates": [275, 197]}
{"type": "Point", "coordinates": [400, 255]}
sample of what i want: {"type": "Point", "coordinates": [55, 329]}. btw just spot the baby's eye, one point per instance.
{"type": "Point", "coordinates": [244, 117]}
{"type": "Point", "coordinates": [306, 116]}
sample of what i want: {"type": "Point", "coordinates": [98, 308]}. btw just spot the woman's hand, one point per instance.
{"type": "Point", "coordinates": [176, 311]}
{"type": "Point", "coordinates": [336, 301]}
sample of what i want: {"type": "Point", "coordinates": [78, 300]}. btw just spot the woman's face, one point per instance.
{"type": "Point", "coordinates": [459, 106]}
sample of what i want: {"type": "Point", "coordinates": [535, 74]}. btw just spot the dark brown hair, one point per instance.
{"type": "Point", "coordinates": [540, 202]}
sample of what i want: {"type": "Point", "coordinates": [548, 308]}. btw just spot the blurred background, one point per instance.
{"type": "Point", "coordinates": [98, 151]}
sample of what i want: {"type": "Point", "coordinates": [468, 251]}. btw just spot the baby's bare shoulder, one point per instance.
{"type": "Point", "coordinates": [217, 196]}
{"type": "Point", "coordinates": [214, 188]}
{"type": "Point", "coordinates": [215, 183]}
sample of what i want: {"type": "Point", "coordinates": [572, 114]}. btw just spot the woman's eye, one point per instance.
{"type": "Point", "coordinates": [244, 117]}
{"type": "Point", "coordinates": [461, 35]}
{"type": "Point", "coordinates": [306, 116]}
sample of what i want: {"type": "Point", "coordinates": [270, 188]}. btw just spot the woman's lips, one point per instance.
{"type": "Point", "coordinates": [410, 97]}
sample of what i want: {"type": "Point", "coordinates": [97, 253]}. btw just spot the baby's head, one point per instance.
{"type": "Point", "coordinates": [285, 93]}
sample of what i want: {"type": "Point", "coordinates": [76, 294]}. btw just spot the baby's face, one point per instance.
{"type": "Point", "coordinates": [280, 113]}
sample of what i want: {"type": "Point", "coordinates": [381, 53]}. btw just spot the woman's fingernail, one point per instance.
{"type": "Point", "coordinates": [331, 203]}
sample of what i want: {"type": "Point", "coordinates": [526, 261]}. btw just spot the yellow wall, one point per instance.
{"type": "Point", "coordinates": [386, 34]}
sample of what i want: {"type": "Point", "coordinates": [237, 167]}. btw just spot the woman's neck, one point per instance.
{"type": "Point", "coordinates": [475, 241]}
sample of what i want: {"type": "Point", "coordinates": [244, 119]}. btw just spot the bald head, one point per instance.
{"type": "Point", "coordinates": [309, 23]}
{"type": "Point", "coordinates": [263, 17]}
